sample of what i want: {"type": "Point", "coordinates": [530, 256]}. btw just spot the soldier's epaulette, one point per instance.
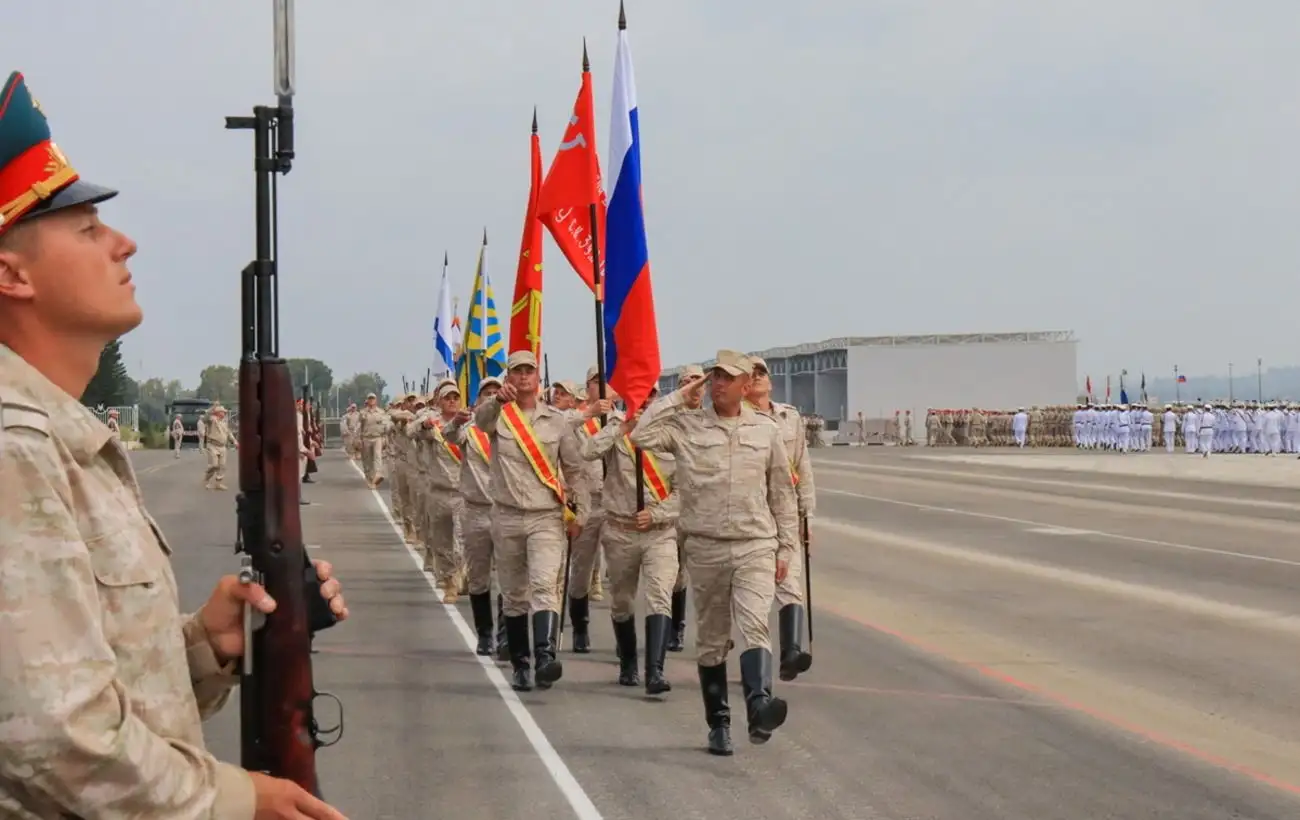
{"type": "Point", "coordinates": [18, 415]}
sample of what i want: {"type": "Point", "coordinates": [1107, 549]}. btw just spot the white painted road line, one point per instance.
{"type": "Point", "coordinates": [1153, 542]}
{"type": "Point", "coordinates": [568, 785]}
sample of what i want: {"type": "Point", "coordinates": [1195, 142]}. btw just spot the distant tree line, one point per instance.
{"type": "Point", "coordinates": [112, 386]}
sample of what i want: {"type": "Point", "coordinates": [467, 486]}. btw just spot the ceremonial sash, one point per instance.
{"type": "Point", "coordinates": [794, 474]}
{"type": "Point", "coordinates": [655, 482]}
{"type": "Point", "coordinates": [447, 445]}
{"type": "Point", "coordinates": [592, 426]}
{"type": "Point", "coordinates": [517, 423]}
{"type": "Point", "coordinates": [479, 441]}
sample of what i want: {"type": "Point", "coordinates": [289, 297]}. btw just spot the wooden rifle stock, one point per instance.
{"type": "Point", "coordinates": [279, 735]}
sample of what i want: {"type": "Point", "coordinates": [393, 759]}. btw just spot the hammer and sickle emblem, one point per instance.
{"type": "Point", "coordinates": [578, 139]}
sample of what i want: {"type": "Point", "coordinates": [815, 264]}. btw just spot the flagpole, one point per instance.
{"type": "Point", "coordinates": [595, 270]}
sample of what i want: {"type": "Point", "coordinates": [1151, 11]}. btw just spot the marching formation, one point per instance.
{"type": "Point", "coordinates": [541, 484]}
{"type": "Point", "coordinates": [1219, 426]}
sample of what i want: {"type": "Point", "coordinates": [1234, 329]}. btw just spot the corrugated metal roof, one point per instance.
{"type": "Point", "coordinates": [845, 342]}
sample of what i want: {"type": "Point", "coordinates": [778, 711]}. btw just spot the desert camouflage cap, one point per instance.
{"type": "Point", "coordinates": [521, 358]}
{"type": "Point", "coordinates": [733, 363]}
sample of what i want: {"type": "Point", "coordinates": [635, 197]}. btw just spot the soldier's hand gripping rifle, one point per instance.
{"type": "Point", "coordinates": [279, 733]}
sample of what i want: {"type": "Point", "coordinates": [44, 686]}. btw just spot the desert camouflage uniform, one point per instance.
{"type": "Point", "coordinates": [105, 683]}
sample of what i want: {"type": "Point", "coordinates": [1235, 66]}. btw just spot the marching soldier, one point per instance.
{"type": "Point", "coordinates": [439, 496]}
{"type": "Point", "coordinates": [531, 443]}
{"type": "Point", "coordinates": [104, 682]}
{"type": "Point", "coordinates": [636, 543]}
{"type": "Point", "coordinates": [476, 513]}
{"type": "Point", "coordinates": [113, 426]}
{"type": "Point", "coordinates": [372, 424]}
{"type": "Point", "coordinates": [348, 430]}
{"type": "Point", "coordinates": [741, 517]}
{"type": "Point", "coordinates": [789, 592]}
{"type": "Point", "coordinates": [217, 442]}
{"type": "Point", "coordinates": [585, 552]}
{"type": "Point", "coordinates": [178, 434]}
{"type": "Point", "coordinates": [677, 642]}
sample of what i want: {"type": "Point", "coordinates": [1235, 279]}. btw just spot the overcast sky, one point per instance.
{"type": "Point", "coordinates": [1127, 170]}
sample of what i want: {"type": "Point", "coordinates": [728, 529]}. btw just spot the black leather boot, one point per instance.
{"type": "Point", "coordinates": [521, 679]}
{"type": "Point", "coordinates": [549, 670]}
{"type": "Point", "coordinates": [580, 609]}
{"type": "Point", "coordinates": [625, 638]}
{"type": "Point", "coordinates": [677, 641]}
{"type": "Point", "coordinates": [794, 660]}
{"type": "Point", "coordinates": [765, 713]}
{"type": "Point", "coordinates": [503, 643]}
{"type": "Point", "coordinates": [480, 606]}
{"type": "Point", "coordinates": [713, 686]}
{"type": "Point", "coordinates": [656, 644]}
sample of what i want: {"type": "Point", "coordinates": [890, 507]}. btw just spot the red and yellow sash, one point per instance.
{"type": "Point", "coordinates": [655, 481]}
{"type": "Point", "coordinates": [794, 474]}
{"type": "Point", "coordinates": [447, 445]}
{"type": "Point", "coordinates": [591, 426]}
{"type": "Point", "coordinates": [479, 441]}
{"type": "Point", "coordinates": [517, 423]}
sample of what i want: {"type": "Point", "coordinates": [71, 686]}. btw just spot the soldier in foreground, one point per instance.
{"type": "Point", "coordinates": [531, 443]}
{"type": "Point", "coordinates": [740, 517]}
{"type": "Point", "coordinates": [677, 641]}
{"type": "Point", "coordinates": [789, 592]}
{"type": "Point", "coordinates": [104, 682]}
{"type": "Point", "coordinates": [637, 543]}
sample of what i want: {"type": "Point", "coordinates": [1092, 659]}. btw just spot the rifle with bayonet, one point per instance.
{"type": "Point", "coordinates": [279, 734]}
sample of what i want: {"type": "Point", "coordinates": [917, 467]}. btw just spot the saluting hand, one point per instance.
{"type": "Point", "coordinates": [693, 391]}
{"type": "Point", "coordinates": [223, 614]}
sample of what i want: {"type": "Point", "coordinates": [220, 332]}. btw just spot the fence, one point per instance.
{"type": "Point", "coordinates": [128, 417]}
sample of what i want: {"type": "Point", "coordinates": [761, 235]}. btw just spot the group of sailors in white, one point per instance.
{"type": "Point", "coordinates": [1269, 428]}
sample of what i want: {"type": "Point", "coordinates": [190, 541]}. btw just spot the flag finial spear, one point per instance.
{"type": "Point", "coordinates": [534, 119]}
{"type": "Point", "coordinates": [586, 63]}
{"type": "Point", "coordinates": [484, 234]}
{"type": "Point", "coordinates": [444, 259]}
{"type": "Point", "coordinates": [622, 17]}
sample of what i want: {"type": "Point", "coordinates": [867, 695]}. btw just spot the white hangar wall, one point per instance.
{"type": "Point", "coordinates": [996, 375]}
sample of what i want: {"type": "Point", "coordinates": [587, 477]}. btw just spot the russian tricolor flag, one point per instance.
{"type": "Point", "coordinates": [631, 337]}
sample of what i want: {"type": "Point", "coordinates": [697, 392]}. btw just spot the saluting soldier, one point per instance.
{"type": "Point", "coordinates": [476, 512]}
{"type": "Point", "coordinates": [178, 435]}
{"type": "Point", "coordinates": [585, 561]}
{"type": "Point", "coordinates": [445, 461]}
{"type": "Point", "coordinates": [637, 543]}
{"type": "Point", "coordinates": [740, 516]}
{"type": "Point", "coordinates": [532, 443]}
{"type": "Point", "coordinates": [217, 442]}
{"type": "Point", "coordinates": [677, 641]}
{"type": "Point", "coordinates": [789, 592]}
{"type": "Point", "coordinates": [103, 682]}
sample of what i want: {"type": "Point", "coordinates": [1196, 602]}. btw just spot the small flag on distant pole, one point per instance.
{"type": "Point", "coordinates": [444, 342]}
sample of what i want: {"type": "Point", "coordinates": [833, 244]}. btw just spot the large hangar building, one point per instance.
{"type": "Point", "coordinates": [878, 375]}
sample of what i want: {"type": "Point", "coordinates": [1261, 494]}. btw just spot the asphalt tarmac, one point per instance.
{"type": "Point", "coordinates": [1007, 639]}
